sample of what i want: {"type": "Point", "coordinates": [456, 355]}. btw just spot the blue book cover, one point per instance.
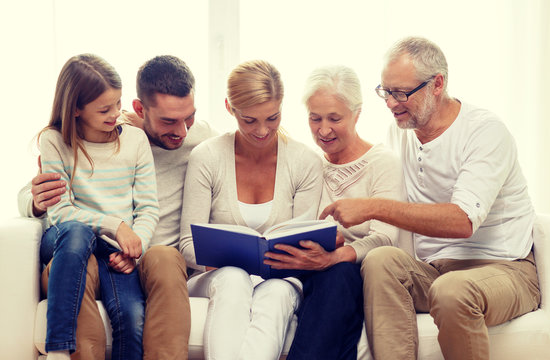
{"type": "Point", "coordinates": [219, 245]}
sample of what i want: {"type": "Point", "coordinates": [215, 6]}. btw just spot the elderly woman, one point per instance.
{"type": "Point", "coordinates": [353, 168]}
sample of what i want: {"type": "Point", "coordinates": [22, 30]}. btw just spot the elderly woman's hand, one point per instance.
{"type": "Point", "coordinates": [311, 257]}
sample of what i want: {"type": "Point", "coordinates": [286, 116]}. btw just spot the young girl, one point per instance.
{"type": "Point", "coordinates": [110, 209]}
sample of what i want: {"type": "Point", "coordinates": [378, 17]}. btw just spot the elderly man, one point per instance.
{"type": "Point", "coordinates": [165, 109]}
{"type": "Point", "coordinates": [468, 208]}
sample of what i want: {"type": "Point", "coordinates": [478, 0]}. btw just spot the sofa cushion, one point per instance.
{"type": "Point", "coordinates": [199, 308]}
{"type": "Point", "coordinates": [526, 337]}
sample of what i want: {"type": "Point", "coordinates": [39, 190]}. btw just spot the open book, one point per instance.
{"type": "Point", "coordinates": [220, 245]}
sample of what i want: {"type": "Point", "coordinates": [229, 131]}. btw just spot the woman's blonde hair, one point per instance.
{"type": "Point", "coordinates": [252, 83]}
{"type": "Point", "coordinates": [255, 82]}
{"type": "Point", "coordinates": [82, 79]}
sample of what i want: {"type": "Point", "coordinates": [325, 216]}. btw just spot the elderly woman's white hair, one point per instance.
{"type": "Point", "coordinates": [340, 80]}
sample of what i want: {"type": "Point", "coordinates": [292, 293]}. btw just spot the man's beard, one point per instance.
{"type": "Point", "coordinates": [423, 116]}
{"type": "Point", "coordinates": [155, 138]}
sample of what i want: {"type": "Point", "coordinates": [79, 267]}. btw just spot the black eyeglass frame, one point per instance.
{"type": "Point", "coordinates": [384, 94]}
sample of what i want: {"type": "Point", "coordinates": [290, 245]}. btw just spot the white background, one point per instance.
{"type": "Point", "coordinates": [498, 53]}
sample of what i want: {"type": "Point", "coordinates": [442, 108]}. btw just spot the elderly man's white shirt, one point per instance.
{"type": "Point", "coordinates": [474, 165]}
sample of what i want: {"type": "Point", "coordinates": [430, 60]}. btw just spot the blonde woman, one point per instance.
{"type": "Point", "coordinates": [255, 177]}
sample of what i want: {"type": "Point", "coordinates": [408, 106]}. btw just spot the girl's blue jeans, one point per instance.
{"type": "Point", "coordinates": [70, 244]}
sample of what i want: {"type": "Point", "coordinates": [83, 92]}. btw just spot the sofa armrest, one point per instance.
{"type": "Point", "coordinates": [19, 281]}
{"type": "Point", "coordinates": [541, 233]}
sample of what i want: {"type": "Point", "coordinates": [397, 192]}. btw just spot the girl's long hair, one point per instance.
{"type": "Point", "coordinates": [82, 79]}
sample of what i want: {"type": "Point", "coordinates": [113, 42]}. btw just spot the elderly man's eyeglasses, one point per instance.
{"type": "Point", "coordinates": [400, 96]}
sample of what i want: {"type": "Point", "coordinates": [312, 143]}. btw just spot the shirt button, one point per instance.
{"type": "Point", "coordinates": [421, 169]}
{"type": "Point", "coordinates": [421, 148]}
{"type": "Point", "coordinates": [419, 159]}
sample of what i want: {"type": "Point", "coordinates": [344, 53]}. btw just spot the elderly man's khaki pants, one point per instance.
{"type": "Point", "coordinates": [463, 297]}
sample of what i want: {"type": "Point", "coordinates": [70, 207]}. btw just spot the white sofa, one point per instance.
{"type": "Point", "coordinates": [23, 315]}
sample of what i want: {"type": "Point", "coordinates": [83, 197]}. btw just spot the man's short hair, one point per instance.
{"type": "Point", "coordinates": [427, 57]}
{"type": "Point", "coordinates": [163, 74]}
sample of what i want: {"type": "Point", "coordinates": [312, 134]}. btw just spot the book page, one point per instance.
{"type": "Point", "coordinates": [231, 227]}
{"type": "Point", "coordinates": [292, 226]}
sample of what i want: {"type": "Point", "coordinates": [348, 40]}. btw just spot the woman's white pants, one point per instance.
{"type": "Point", "coordinates": [247, 317]}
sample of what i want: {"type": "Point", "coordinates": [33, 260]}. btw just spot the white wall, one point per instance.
{"type": "Point", "coordinates": [497, 51]}
{"type": "Point", "coordinates": [498, 55]}
{"type": "Point", "coordinates": [38, 36]}
{"type": "Point", "coordinates": [26, 78]}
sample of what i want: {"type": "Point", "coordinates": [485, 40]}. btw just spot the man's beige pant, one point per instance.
{"type": "Point", "coordinates": [463, 297]}
{"type": "Point", "coordinates": [167, 315]}
{"type": "Point", "coordinates": [90, 333]}
{"type": "Point", "coordinates": [163, 276]}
